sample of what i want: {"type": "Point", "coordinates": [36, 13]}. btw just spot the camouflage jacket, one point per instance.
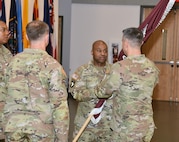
{"type": "Point", "coordinates": [82, 87]}
{"type": "Point", "coordinates": [132, 82]}
{"type": "Point", "coordinates": [5, 56]}
{"type": "Point", "coordinates": [36, 95]}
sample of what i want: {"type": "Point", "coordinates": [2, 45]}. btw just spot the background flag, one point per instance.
{"type": "Point", "coordinates": [153, 20]}
{"type": "Point", "coordinates": [19, 26]}
{"type": "Point", "coordinates": [47, 20]}
{"type": "Point", "coordinates": [12, 43]}
{"type": "Point", "coordinates": [156, 17]}
{"type": "Point", "coordinates": [24, 23]}
{"type": "Point", "coordinates": [36, 10]}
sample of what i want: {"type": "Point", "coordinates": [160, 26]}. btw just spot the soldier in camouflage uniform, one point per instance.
{"type": "Point", "coordinates": [82, 84]}
{"type": "Point", "coordinates": [36, 106]}
{"type": "Point", "coordinates": [131, 82]}
{"type": "Point", "coordinates": [5, 56]}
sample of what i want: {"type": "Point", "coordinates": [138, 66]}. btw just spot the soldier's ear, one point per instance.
{"type": "Point", "coordinates": [26, 37]}
{"type": "Point", "coordinates": [91, 52]}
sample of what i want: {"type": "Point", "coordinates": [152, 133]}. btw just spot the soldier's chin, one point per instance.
{"type": "Point", "coordinates": [6, 40]}
{"type": "Point", "coordinates": [102, 61]}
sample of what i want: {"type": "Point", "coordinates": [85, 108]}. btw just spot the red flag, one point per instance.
{"type": "Point", "coordinates": [98, 105]}
{"type": "Point", "coordinates": [36, 10]}
{"type": "Point", "coordinates": [154, 19]}
{"type": "Point", "coordinates": [121, 55]}
{"type": "Point", "coordinates": [96, 112]}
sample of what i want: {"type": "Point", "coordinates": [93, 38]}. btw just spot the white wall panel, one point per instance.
{"type": "Point", "coordinates": [90, 22]}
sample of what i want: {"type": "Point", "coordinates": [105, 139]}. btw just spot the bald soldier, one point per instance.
{"type": "Point", "coordinates": [131, 81]}
{"type": "Point", "coordinates": [82, 84]}
{"type": "Point", "coordinates": [5, 56]}
{"type": "Point", "coordinates": [36, 106]}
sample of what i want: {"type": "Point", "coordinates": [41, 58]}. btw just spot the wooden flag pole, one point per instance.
{"type": "Point", "coordinates": [82, 128]}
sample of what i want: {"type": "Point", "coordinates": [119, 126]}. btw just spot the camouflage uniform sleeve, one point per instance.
{"type": "Point", "coordinates": [5, 59]}
{"type": "Point", "coordinates": [58, 97]}
{"type": "Point", "coordinates": [78, 86]}
{"type": "Point", "coordinates": [157, 75]}
{"type": "Point", "coordinates": [7, 53]}
{"type": "Point", "coordinates": [110, 84]}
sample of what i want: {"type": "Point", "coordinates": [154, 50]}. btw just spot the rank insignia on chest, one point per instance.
{"type": "Point", "coordinates": [74, 78]}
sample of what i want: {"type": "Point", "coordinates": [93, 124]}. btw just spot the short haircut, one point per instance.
{"type": "Point", "coordinates": [99, 42]}
{"type": "Point", "coordinates": [36, 29]}
{"type": "Point", "coordinates": [134, 35]}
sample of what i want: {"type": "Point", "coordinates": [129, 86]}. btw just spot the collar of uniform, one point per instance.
{"type": "Point", "coordinates": [106, 67]}
{"type": "Point", "coordinates": [31, 50]}
{"type": "Point", "coordinates": [135, 56]}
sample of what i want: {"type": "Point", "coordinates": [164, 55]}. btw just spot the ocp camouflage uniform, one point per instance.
{"type": "Point", "coordinates": [132, 81]}
{"type": "Point", "coordinates": [82, 86]}
{"type": "Point", "coordinates": [5, 56]}
{"type": "Point", "coordinates": [36, 103]}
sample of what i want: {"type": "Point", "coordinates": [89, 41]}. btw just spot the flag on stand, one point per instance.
{"type": "Point", "coordinates": [12, 43]}
{"type": "Point", "coordinates": [2, 11]}
{"type": "Point", "coordinates": [24, 23]}
{"type": "Point", "coordinates": [153, 20]}
{"type": "Point", "coordinates": [52, 33]}
{"type": "Point", "coordinates": [36, 10]}
{"type": "Point", "coordinates": [46, 19]}
{"type": "Point", "coordinates": [156, 17]}
{"type": "Point", "coordinates": [19, 26]}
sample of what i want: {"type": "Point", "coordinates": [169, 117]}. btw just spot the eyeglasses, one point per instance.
{"type": "Point", "coordinates": [4, 30]}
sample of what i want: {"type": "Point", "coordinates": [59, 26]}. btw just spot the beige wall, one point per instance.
{"type": "Point", "coordinates": [90, 22]}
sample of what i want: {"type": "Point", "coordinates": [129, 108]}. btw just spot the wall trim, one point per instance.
{"type": "Point", "coordinates": [118, 2]}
